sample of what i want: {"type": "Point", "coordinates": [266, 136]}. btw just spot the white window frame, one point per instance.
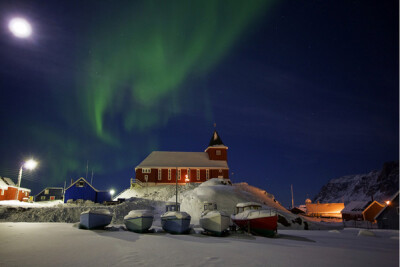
{"type": "Point", "coordinates": [218, 152]}
{"type": "Point", "coordinates": [146, 170]}
{"type": "Point", "coordinates": [179, 174]}
{"type": "Point", "coordinates": [159, 174]}
{"type": "Point", "coordinates": [198, 174]}
{"type": "Point", "coordinates": [207, 174]}
{"type": "Point", "coordinates": [169, 174]}
{"type": "Point", "coordinates": [26, 193]}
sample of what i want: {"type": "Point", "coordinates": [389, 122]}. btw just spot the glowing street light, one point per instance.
{"type": "Point", "coordinates": [388, 202]}
{"type": "Point", "coordinates": [30, 165]}
{"type": "Point", "coordinates": [20, 27]}
{"type": "Point", "coordinates": [112, 192]}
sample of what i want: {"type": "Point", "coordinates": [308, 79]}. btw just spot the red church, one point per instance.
{"type": "Point", "coordinates": [164, 167]}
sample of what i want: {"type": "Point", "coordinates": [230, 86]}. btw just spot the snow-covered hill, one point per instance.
{"type": "Point", "coordinates": [380, 185]}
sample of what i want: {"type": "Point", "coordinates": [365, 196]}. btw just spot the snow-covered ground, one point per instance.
{"type": "Point", "coordinates": [63, 244]}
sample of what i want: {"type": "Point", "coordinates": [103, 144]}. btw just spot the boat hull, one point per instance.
{"type": "Point", "coordinates": [216, 224]}
{"type": "Point", "coordinates": [94, 220]}
{"type": "Point", "coordinates": [174, 225]}
{"type": "Point", "coordinates": [139, 224]}
{"type": "Point", "coordinates": [265, 226]}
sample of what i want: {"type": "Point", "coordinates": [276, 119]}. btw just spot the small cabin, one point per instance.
{"type": "Point", "coordinates": [9, 191]}
{"type": "Point", "coordinates": [50, 194]}
{"type": "Point", "coordinates": [83, 190]}
{"type": "Point", "coordinates": [172, 206]}
{"type": "Point", "coordinates": [247, 206]}
{"type": "Point", "coordinates": [388, 217]}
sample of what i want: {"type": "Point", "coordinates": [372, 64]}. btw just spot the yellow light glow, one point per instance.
{"type": "Point", "coordinates": [30, 164]}
{"type": "Point", "coordinates": [388, 202]}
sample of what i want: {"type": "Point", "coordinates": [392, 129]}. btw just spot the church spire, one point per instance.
{"type": "Point", "coordinates": [215, 140]}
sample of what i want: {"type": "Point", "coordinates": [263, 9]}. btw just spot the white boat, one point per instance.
{"type": "Point", "coordinates": [175, 221]}
{"type": "Point", "coordinates": [95, 219]}
{"type": "Point", "coordinates": [213, 221]}
{"type": "Point", "coordinates": [139, 221]}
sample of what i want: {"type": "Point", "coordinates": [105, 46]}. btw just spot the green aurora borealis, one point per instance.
{"type": "Point", "coordinates": [134, 67]}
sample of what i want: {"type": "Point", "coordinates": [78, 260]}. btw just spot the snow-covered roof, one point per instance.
{"type": "Point", "coordinates": [3, 184]}
{"type": "Point", "coordinates": [86, 182]}
{"type": "Point", "coordinates": [355, 207]}
{"type": "Point", "coordinates": [158, 159]}
{"type": "Point", "coordinates": [9, 181]}
{"type": "Point", "coordinates": [246, 204]}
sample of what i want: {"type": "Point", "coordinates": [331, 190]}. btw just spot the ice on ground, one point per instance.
{"type": "Point", "coordinates": [364, 232]}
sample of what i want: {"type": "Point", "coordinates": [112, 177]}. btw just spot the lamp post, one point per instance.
{"type": "Point", "coordinates": [30, 165]}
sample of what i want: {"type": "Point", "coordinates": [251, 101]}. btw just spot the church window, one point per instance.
{"type": "Point", "coordinates": [198, 174]}
{"type": "Point", "coordinates": [159, 174]}
{"type": "Point", "coordinates": [179, 174]}
{"type": "Point", "coordinates": [218, 152]}
{"type": "Point", "coordinates": [146, 170]}
{"type": "Point", "coordinates": [169, 174]}
{"type": "Point", "coordinates": [207, 174]}
{"type": "Point", "coordinates": [220, 171]}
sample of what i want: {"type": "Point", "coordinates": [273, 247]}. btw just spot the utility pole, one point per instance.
{"type": "Point", "coordinates": [291, 188]}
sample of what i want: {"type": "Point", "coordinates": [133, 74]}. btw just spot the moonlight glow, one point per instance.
{"type": "Point", "coordinates": [20, 27]}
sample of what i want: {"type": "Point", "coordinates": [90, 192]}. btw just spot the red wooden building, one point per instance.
{"type": "Point", "coordinates": [9, 191]}
{"type": "Point", "coordinates": [161, 167]}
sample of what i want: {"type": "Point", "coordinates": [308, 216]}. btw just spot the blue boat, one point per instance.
{"type": "Point", "coordinates": [175, 221]}
{"type": "Point", "coordinates": [95, 219]}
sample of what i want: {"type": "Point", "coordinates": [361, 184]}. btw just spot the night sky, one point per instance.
{"type": "Point", "coordinates": [301, 91]}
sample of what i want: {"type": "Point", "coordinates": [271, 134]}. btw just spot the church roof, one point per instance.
{"type": "Point", "coordinates": [216, 140]}
{"type": "Point", "coordinates": [169, 159]}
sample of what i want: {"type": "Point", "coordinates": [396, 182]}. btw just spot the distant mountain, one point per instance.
{"type": "Point", "coordinates": [380, 185]}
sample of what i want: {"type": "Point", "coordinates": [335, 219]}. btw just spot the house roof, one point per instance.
{"type": "Point", "coordinates": [83, 180]}
{"type": "Point", "coordinates": [391, 201]}
{"type": "Point", "coordinates": [216, 140]}
{"type": "Point", "coordinates": [61, 188]}
{"type": "Point", "coordinates": [6, 182]}
{"type": "Point", "coordinates": [371, 204]}
{"type": "Point", "coordinates": [180, 159]}
{"type": "Point", "coordinates": [356, 207]}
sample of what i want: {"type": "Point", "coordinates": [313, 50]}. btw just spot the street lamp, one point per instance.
{"type": "Point", "coordinates": [30, 165]}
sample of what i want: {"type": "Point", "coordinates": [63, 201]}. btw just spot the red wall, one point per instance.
{"type": "Point", "coordinates": [11, 194]}
{"type": "Point", "coordinates": [212, 153]}
{"type": "Point", "coordinates": [153, 175]}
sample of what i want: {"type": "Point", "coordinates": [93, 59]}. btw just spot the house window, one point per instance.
{"type": "Point", "coordinates": [146, 170]}
{"type": "Point", "coordinates": [220, 171]}
{"type": "Point", "coordinates": [80, 184]}
{"type": "Point", "coordinates": [198, 174]}
{"type": "Point", "coordinates": [169, 174]}
{"type": "Point", "coordinates": [218, 152]}
{"type": "Point", "coordinates": [146, 177]}
{"type": "Point", "coordinates": [159, 174]}
{"type": "Point", "coordinates": [2, 192]}
{"type": "Point", "coordinates": [43, 198]}
{"type": "Point", "coordinates": [26, 194]}
{"type": "Point", "coordinates": [179, 174]}
{"type": "Point", "coordinates": [207, 174]}
{"type": "Point", "coordinates": [46, 192]}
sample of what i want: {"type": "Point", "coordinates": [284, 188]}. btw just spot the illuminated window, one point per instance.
{"type": "Point", "coordinates": [2, 192]}
{"type": "Point", "coordinates": [207, 174]}
{"type": "Point", "coordinates": [218, 152]}
{"type": "Point", "coordinates": [26, 194]}
{"type": "Point", "coordinates": [42, 198]}
{"type": "Point", "coordinates": [46, 192]}
{"type": "Point", "coordinates": [198, 174]}
{"type": "Point", "coordinates": [159, 174]}
{"type": "Point", "coordinates": [169, 174]}
{"type": "Point", "coordinates": [80, 184]}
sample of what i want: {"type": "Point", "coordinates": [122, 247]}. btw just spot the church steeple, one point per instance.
{"type": "Point", "coordinates": [216, 149]}
{"type": "Point", "coordinates": [215, 140]}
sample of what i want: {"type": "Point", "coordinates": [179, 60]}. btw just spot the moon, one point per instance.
{"type": "Point", "coordinates": [20, 27]}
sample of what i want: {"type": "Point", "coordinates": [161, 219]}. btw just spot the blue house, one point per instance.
{"type": "Point", "coordinates": [82, 189]}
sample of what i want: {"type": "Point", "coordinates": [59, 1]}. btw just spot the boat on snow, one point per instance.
{"type": "Point", "coordinates": [95, 219]}
{"type": "Point", "coordinates": [139, 221]}
{"type": "Point", "coordinates": [213, 221]}
{"type": "Point", "coordinates": [250, 217]}
{"type": "Point", "coordinates": [175, 221]}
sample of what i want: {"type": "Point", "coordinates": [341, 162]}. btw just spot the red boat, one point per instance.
{"type": "Point", "coordinates": [250, 217]}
